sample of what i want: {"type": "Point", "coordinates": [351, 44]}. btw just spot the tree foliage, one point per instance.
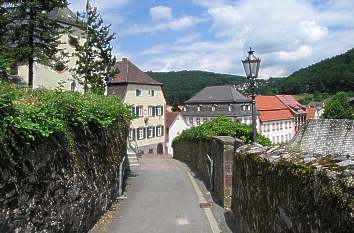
{"type": "Point", "coordinates": [95, 63]}
{"type": "Point", "coordinates": [220, 126]}
{"type": "Point", "coordinates": [328, 76]}
{"type": "Point", "coordinates": [181, 86]}
{"type": "Point", "coordinates": [34, 35]}
{"type": "Point", "coordinates": [338, 107]}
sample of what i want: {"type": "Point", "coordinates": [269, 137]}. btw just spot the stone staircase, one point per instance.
{"type": "Point", "coordinates": [133, 152]}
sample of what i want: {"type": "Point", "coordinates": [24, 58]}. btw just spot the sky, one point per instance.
{"type": "Point", "coordinates": [214, 35]}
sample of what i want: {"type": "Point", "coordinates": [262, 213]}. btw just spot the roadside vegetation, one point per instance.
{"type": "Point", "coordinates": [27, 117]}
{"type": "Point", "coordinates": [220, 126]}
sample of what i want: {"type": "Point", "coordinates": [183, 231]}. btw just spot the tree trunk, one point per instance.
{"type": "Point", "coordinates": [31, 45]}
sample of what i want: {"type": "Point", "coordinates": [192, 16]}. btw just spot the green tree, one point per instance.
{"type": "Point", "coordinates": [338, 107]}
{"type": "Point", "coordinates": [35, 36]}
{"type": "Point", "coordinates": [95, 63]}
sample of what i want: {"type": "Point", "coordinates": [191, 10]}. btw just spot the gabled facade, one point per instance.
{"type": "Point", "coordinates": [175, 124]}
{"type": "Point", "coordinates": [59, 76]}
{"type": "Point", "coordinates": [297, 109]}
{"type": "Point", "coordinates": [276, 120]}
{"type": "Point", "coordinates": [215, 101]}
{"type": "Point", "coordinates": [145, 96]}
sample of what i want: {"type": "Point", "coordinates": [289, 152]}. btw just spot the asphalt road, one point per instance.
{"type": "Point", "coordinates": [160, 199]}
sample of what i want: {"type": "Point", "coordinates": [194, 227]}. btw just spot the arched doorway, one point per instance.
{"type": "Point", "coordinates": [159, 149]}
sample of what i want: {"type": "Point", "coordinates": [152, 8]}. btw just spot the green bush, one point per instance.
{"type": "Point", "coordinates": [220, 126]}
{"type": "Point", "coordinates": [29, 116]}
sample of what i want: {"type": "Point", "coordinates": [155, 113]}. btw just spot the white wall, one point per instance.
{"type": "Point", "coordinates": [175, 129]}
{"type": "Point", "coordinates": [278, 131]}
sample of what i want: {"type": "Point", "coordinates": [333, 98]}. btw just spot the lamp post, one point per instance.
{"type": "Point", "coordinates": [251, 66]}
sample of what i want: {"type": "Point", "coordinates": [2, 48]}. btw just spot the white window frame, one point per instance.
{"type": "Point", "coordinates": [140, 111]}
{"type": "Point", "coordinates": [248, 107]}
{"type": "Point", "coordinates": [213, 108]}
{"type": "Point", "coordinates": [140, 134]}
{"type": "Point", "coordinates": [137, 91]}
{"type": "Point", "coordinates": [150, 111]}
{"type": "Point", "coordinates": [230, 108]}
{"type": "Point", "coordinates": [158, 111]}
{"type": "Point", "coordinates": [151, 93]}
{"type": "Point", "coordinates": [158, 131]}
{"type": "Point", "coordinates": [150, 132]}
{"type": "Point", "coordinates": [198, 108]}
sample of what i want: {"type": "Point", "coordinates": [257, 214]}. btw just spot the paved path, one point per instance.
{"type": "Point", "coordinates": [160, 199]}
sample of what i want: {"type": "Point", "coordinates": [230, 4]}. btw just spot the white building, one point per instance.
{"type": "Point", "coordinates": [276, 121]}
{"type": "Point", "coordinates": [145, 96]}
{"type": "Point", "coordinates": [175, 124]}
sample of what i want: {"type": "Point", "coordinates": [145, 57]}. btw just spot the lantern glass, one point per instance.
{"type": "Point", "coordinates": [251, 65]}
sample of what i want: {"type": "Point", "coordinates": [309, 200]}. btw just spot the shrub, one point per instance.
{"type": "Point", "coordinates": [220, 126]}
{"type": "Point", "coordinates": [28, 116]}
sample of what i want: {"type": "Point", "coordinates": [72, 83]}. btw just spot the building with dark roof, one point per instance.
{"type": "Point", "coordinates": [145, 96]}
{"type": "Point", "coordinates": [214, 101]}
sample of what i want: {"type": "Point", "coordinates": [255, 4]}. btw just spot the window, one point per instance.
{"type": "Point", "coordinates": [198, 108]}
{"type": "Point", "coordinates": [140, 134]}
{"type": "Point", "coordinates": [73, 86]}
{"type": "Point", "coordinates": [273, 140]}
{"type": "Point", "coordinates": [198, 121]}
{"type": "Point", "coordinates": [191, 120]}
{"type": "Point", "coordinates": [132, 134]}
{"type": "Point", "coordinates": [268, 127]}
{"type": "Point", "coordinates": [273, 126]}
{"type": "Point", "coordinates": [159, 131]}
{"type": "Point", "coordinates": [150, 132]}
{"type": "Point", "coordinates": [282, 138]}
{"type": "Point", "coordinates": [59, 67]}
{"type": "Point", "coordinates": [230, 108]}
{"type": "Point", "coordinates": [281, 125]}
{"type": "Point", "coordinates": [213, 108]}
{"type": "Point", "coordinates": [290, 125]}
{"type": "Point", "coordinates": [277, 125]}
{"type": "Point", "coordinates": [137, 111]}
{"type": "Point", "coordinates": [286, 125]}
{"type": "Point", "coordinates": [248, 107]}
{"type": "Point", "coordinates": [152, 93]}
{"type": "Point", "coordinates": [264, 128]}
{"type": "Point", "coordinates": [159, 111]}
{"type": "Point", "coordinates": [151, 111]}
{"type": "Point", "coordinates": [277, 139]}
{"type": "Point", "coordinates": [139, 92]}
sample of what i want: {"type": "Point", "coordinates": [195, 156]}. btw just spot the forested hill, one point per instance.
{"type": "Point", "coordinates": [181, 86]}
{"type": "Point", "coordinates": [328, 76]}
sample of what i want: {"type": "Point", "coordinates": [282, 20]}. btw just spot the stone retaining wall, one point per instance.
{"type": "Point", "coordinates": [278, 191]}
{"type": "Point", "coordinates": [61, 186]}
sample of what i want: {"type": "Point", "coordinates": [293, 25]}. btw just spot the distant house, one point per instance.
{"type": "Point", "coordinates": [319, 106]}
{"type": "Point", "coordinates": [215, 101]}
{"type": "Point", "coordinates": [276, 120]}
{"type": "Point", "coordinates": [175, 124]}
{"type": "Point", "coordinates": [312, 113]}
{"type": "Point", "coordinates": [145, 96]}
{"type": "Point", "coordinates": [51, 78]}
{"type": "Point", "coordinates": [297, 109]}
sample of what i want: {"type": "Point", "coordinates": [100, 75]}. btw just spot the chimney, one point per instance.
{"type": "Point", "coordinates": [124, 59]}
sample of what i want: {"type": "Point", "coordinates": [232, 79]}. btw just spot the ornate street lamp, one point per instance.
{"type": "Point", "coordinates": [251, 65]}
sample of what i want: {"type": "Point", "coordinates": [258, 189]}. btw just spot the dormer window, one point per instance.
{"type": "Point", "coordinates": [139, 92]}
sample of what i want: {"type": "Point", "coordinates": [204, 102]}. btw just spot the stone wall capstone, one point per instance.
{"type": "Point", "coordinates": [61, 186]}
{"type": "Point", "coordinates": [326, 137]}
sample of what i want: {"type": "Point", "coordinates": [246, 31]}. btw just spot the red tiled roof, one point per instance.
{"type": "Point", "coordinates": [275, 115]}
{"type": "Point", "coordinates": [130, 73]}
{"type": "Point", "coordinates": [292, 103]}
{"type": "Point", "coordinates": [311, 112]}
{"type": "Point", "coordinates": [269, 103]}
{"type": "Point", "coordinates": [170, 118]}
{"type": "Point", "coordinates": [272, 109]}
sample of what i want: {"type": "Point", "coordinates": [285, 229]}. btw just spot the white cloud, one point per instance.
{"type": "Point", "coordinates": [161, 13]}
{"type": "Point", "coordinates": [102, 5]}
{"type": "Point", "coordinates": [300, 53]}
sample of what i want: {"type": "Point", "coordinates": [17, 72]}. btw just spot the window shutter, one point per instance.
{"type": "Point", "coordinates": [161, 110]}
{"type": "Point", "coordinates": [162, 129]}
{"type": "Point", "coordinates": [153, 131]}
{"type": "Point", "coordinates": [134, 134]}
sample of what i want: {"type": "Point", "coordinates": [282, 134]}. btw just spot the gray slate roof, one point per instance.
{"type": "Point", "coordinates": [218, 94]}
{"type": "Point", "coordinates": [66, 16]}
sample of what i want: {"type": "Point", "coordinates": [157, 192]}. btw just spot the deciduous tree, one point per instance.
{"type": "Point", "coordinates": [338, 107]}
